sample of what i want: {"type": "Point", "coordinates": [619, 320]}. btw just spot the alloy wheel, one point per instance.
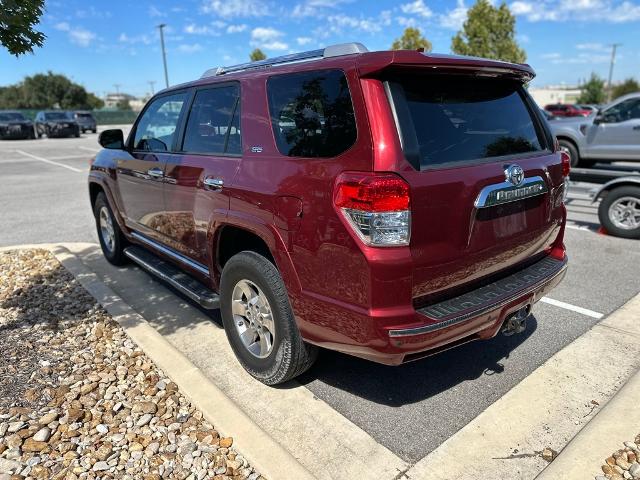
{"type": "Point", "coordinates": [253, 318]}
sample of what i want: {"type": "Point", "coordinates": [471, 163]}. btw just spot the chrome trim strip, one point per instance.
{"type": "Point", "coordinates": [406, 332]}
{"type": "Point", "coordinates": [181, 258]}
{"type": "Point", "coordinates": [506, 192]}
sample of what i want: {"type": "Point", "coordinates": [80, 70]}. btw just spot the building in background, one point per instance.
{"type": "Point", "coordinates": [554, 94]}
{"type": "Point", "coordinates": [123, 101]}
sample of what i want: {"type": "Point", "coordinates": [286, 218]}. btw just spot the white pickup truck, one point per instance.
{"type": "Point", "coordinates": [613, 134]}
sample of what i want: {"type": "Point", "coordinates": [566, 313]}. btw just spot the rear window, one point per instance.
{"type": "Point", "coordinates": [455, 119]}
{"type": "Point", "coordinates": [311, 113]}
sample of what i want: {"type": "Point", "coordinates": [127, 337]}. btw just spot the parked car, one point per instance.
{"type": "Point", "coordinates": [56, 123]}
{"type": "Point", "coordinates": [612, 134]}
{"type": "Point", "coordinates": [389, 205]}
{"type": "Point", "coordinates": [548, 115]}
{"type": "Point", "coordinates": [563, 110]}
{"type": "Point", "coordinates": [86, 121]}
{"type": "Point", "coordinates": [593, 109]}
{"type": "Point", "coordinates": [14, 125]}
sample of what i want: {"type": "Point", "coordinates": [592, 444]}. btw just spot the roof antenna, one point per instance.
{"type": "Point", "coordinates": [420, 49]}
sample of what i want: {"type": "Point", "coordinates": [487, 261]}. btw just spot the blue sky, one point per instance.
{"type": "Point", "coordinates": [100, 43]}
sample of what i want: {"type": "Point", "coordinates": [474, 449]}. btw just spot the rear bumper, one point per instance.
{"type": "Point", "coordinates": [394, 338]}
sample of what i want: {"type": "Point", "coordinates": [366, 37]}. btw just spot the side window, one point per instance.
{"type": "Point", "coordinates": [214, 122]}
{"type": "Point", "coordinates": [155, 130]}
{"type": "Point", "coordinates": [311, 113]}
{"type": "Point", "coordinates": [626, 110]}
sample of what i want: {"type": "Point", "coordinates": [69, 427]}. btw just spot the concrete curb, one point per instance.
{"type": "Point", "coordinates": [617, 422]}
{"type": "Point", "coordinates": [266, 455]}
{"type": "Point", "coordinates": [547, 409]}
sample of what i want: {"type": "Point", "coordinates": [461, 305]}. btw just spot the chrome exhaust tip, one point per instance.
{"type": "Point", "coordinates": [516, 322]}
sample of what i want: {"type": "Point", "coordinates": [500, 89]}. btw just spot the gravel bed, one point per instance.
{"type": "Point", "coordinates": [623, 463]}
{"type": "Point", "coordinates": [80, 400]}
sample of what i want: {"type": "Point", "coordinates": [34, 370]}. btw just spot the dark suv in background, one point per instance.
{"type": "Point", "coordinates": [86, 121]}
{"type": "Point", "coordinates": [388, 205]}
{"type": "Point", "coordinates": [57, 123]}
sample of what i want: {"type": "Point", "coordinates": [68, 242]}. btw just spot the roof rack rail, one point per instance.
{"type": "Point", "coordinates": [327, 52]}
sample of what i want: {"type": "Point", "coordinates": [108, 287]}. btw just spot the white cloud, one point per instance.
{"type": "Point", "coordinates": [189, 48]}
{"type": "Point", "coordinates": [155, 12]}
{"type": "Point", "coordinates": [193, 29]}
{"type": "Point", "coordinates": [612, 11]}
{"type": "Point", "coordinates": [595, 47]}
{"type": "Point", "coordinates": [304, 40]}
{"type": "Point", "coordinates": [268, 38]}
{"type": "Point", "coordinates": [236, 8]}
{"type": "Point", "coordinates": [144, 39]}
{"type": "Point", "coordinates": [453, 19]}
{"type": "Point", "coordinates": [550, 56]}
{"type": "Point", "coordinates": [340, 22]}
{"type": "Point", "coordinates": [236, 28]}
{"type": "Point", "coordinates": [417, 8]}
{"type": "Point", "coordinates": [77, 35]}
{"type": "Point", "coordinates": [315, 8]}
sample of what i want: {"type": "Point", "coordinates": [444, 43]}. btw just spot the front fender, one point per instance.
{"type": "Point", "coordinates": [97, 177]}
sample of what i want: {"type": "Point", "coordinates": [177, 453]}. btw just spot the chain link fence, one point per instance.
{"type": "Point", "coordinates": [103, 117]}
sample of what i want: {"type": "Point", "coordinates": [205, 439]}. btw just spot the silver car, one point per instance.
{"type": "Point", "coordinates": [613, 134]}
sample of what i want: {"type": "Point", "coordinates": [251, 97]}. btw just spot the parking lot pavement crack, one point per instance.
{"type": "Point", "coordinates": [619, 330]}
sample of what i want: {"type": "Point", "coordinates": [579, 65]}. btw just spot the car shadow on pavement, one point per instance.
{"type": "Point", "coordinates": [419, 380]}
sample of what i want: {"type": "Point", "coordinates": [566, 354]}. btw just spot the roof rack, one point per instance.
{"type": "Point", "coordinates": [327, 52]}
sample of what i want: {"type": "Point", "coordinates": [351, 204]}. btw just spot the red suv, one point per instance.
{"type": "Point", "coordinates": [388, 205]}
{"type": "Point", "coordinates": [561, 110]}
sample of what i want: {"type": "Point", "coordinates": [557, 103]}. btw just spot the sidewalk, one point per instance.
{"type": "Point", "coordinates": [617, 422]}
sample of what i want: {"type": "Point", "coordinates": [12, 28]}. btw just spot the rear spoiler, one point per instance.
{"type": "Point", "coordinates": [374, 63]}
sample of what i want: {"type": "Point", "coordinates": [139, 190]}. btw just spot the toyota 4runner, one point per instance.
{"type": "Point", "coordinates": [388, 205]}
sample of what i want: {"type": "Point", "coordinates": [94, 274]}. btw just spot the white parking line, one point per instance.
{"type": "Point", "coordinates": [35, 157]}
{"type": "Point", "coordinates": [573, 308]}
{"type": "Point", "coordinates": [576, 227]}
{"type": "Point", "coordinates": [89, 149]}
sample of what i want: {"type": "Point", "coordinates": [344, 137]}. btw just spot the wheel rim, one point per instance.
{"type": "Point", "coordinates": [624, 213]}
{"type": "Point", "coordinates": [106, 229]}
{"type": "Point", "coordinates": [253, 318]}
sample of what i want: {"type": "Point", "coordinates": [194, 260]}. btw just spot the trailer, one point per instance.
{"type": "Point", "coordinates": [619, 195]}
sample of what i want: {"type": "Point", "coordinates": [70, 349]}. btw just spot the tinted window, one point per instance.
{"type": "Point", "coordinates": [214, 122]}
{"type": "Point", "coordinates": [457, 119]}
{"type": "Point", "coordinates": [626, 110]}
{"type": "Point", "coordinates": [157, 125]}
{"type": "Point", "coordinates": [9, 116]}
{"type": "Point", "coordinates": [57, 116]}
{"type": "Point", "coordinates": [84, 115]}
{"type": "Point", "coordinates": [311, 113]}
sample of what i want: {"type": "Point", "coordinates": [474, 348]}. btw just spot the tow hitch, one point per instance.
{"type": "Point", "coordinates": [516, 322]}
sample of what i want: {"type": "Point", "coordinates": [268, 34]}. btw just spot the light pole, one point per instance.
{"type": "Point", "coordinates": [117, 87]}
{"type": "Point", "coordinates": [151, 84]}
{"type": "Point", "coordinates": [164, 54]}
{"type": "Point", "coordinates": [613, 61]}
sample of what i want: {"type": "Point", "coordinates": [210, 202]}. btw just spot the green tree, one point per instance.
{"type": "Point", "coordinates": [630, 85]}
{"type": "Point", "coordinates": [17, 21]}
{"type": "Point", "coordinates": [489, 32]}
{"type": "Point", "coordinates": [592, 91]}
{"type": "Point", "coordinates": [411, 39]}
{"type": "Point", "coordinates": [123, 104]}
{"type": "Point", "coordinates": [256, 55]}
{"type": "Point", "coordinates": [48, 90]}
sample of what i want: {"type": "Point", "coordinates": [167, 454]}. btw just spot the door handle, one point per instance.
{"type": "Point", "coordinates": [215, 184]}
{"type": "Point", "coordinates": [155, 172]}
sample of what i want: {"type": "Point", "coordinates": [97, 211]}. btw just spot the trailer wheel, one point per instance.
{"type": "Point", "coordinates": [619, 212]}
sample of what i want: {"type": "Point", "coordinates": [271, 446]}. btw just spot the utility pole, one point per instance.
{"type": "Point", "coordinates": [117, 87]}
{"type": "Point", "coordinates": [613, 61]}
{"type": "Point", "coordinates": [151, 84]}
{"type": "Point", "coordinates": [164, 54]}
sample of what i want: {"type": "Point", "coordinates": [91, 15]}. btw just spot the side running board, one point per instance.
{"type": "Point", "coordinates": [175, 277]}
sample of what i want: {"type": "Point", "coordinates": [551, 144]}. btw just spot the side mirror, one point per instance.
{"type": "Point", "coordinates": [598, 119]}
{"type": "Point", "coordinates": [112, 139]}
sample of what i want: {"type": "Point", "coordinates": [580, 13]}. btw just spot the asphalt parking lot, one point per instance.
{"type": "Point", "coordinates": [410, 409]}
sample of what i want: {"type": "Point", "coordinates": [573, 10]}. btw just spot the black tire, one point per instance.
{"type": "Point", "coordinates": [32, 134]}
{"type": "Point", "coordinates": [605, 205]}
{"type": "Point", "coordinates": [95, 130]}
{"type": "Point", "coordinates": [290, 355]}
{"type": "Point", "coordinates": [571, 150]}
{"type": "Point", "coordinates": [114, 254]}
{"type": "Point", "coordinates": [77, 133]}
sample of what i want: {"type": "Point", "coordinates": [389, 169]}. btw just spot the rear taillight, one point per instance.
{"type": "Point", "coordinates": [376, 206]}
{"type": "Point", "coordinates": [566, 163]}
